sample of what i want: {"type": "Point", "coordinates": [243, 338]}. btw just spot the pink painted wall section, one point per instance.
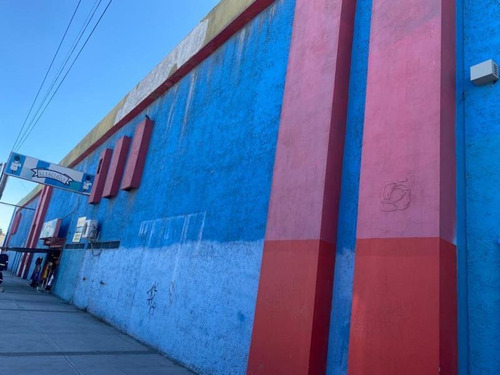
{"type": "Point", "coordinates": [306, 181]}
{"type": "Point", "coordinates": [100, 177]}
{"type": "Point", "coordinates": [116, 168]}
{"type": "Point", "coordinates": [407, 173]}
{"type": "Point", "coordinates": [292, 316]}
{"type": "Point", "coordinates": [448, 119]}
{"type": "Point", "coordinates": [137, 157]}
{"type": "Point", "coordinates": [404, 313]}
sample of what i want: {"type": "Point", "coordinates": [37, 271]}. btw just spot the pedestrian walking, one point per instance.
{"type": "Point", "coordinates": [35, 276]}
{"type": "Point", "coordinates": [47, 272]}
{"type": "Point", "coordinates": [50, 282]}
{"type": "Point", "coordinates": [4, 262]}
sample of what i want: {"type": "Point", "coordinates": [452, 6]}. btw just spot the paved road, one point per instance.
{"type": "Point", "coordinates": [40, 334]}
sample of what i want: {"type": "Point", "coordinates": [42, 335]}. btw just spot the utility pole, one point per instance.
{"type": "Point", "coordinates": [3, 179]}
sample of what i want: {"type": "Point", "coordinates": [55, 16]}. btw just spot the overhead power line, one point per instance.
{"type": "Point", "coordinates": [17, 206]}
{"type": "Point", "coordinates": [63, 65]}
{"type": "Point", "coordinates": [46, 74]}
{"type": "Point", "coordinates": [34, 122]}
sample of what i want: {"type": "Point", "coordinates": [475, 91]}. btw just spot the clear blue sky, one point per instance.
{"type": "Point", "coordinates": [132, 38]}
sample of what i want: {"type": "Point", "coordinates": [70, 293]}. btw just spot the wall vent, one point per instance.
{"type": "Point", "coordinates": [484, 73]}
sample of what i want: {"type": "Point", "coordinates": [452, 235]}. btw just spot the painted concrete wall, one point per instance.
{"type": "Point", "coordinates": [480, 148]}
{"type": "Point", "coordinates": [192, 235]}
{"type": "Point", "coordinates": [338, 345]}
{"type": "Point", "coordinates": [195, 229]}
{"type": "Point", "coordinates": [20, 238]}
{"type": "Point", "coordinates": [404, 307]}
{"type": "Point", "coordinates": [290, 334]}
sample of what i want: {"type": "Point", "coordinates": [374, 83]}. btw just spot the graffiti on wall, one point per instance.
{"type": "Point", "coordinates": [151, 300]}
{"type": "Point", "coordinates": [396, 196]}
{"type": "Point", "coordinates": [170, 230]}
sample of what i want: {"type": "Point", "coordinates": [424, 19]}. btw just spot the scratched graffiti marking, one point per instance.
{"type": "Point", "coordinates": [151, 300]}
{"type": "Point", "coordinates": [396, 196]}
{"type": "Point", "coordinates": [173, 230]}
{"type": "Point", "coordinates": [171, 292]}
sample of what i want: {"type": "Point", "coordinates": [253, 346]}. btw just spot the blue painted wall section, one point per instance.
{"type": "Point", "coordinates": [185, 277]}
{"type": "Point", "coordinates": [338, 346]}
{"type": "Point", "coordinates": [21, 237]}
{"type": "Point", "coordinates": [482, 142]}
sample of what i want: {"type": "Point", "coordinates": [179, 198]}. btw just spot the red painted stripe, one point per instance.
{"type": "Point", "coordinates": [404, 313]}
{"type": "Point", "coordinates": [447, 222]}
{"type": "Point", "coordinates": [448, 309]}
{"type": "Point", "coordinates": [235, 26]}
{"type": "Point", "coordinates": [137, 158]}
{"type": "Point", "coordinates": [15, 223]}
{"type": "Point", "coordinates": [116, 168]}
{"type": "Point", "coordinates": [40, 213]}
{"type": "Point", "coordinates": [290, 333]}
{"type": "Point", "coordinates": [35, 230]}
{"type": "Point", "coordinates": [291, 326]}
{"type": "Point", "coordinates": [14, 227]}
{"type": "Point", "coordinates": [20, 267]}
{"type": "Point", "coordinates": [404, 316]}
{"type": "Point", "coordinates": [100, 177]}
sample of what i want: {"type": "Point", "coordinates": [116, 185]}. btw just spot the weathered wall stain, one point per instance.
{"type": "Point", "coordinates": [176, 229]}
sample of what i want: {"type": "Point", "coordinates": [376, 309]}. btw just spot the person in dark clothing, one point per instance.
{"type": "Point", "coordinates": [35, 277]}
{"type": "Point", "coordinates": [4, 262]}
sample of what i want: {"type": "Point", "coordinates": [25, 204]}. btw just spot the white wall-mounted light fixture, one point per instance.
{"type": "Point", "coordinates": [90, 231]}
{"type": "Point", "coordinates": [484, 73]}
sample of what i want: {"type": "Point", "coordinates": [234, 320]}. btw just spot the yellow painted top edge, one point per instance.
{"type": "Point", "coordinates": [223, 14]}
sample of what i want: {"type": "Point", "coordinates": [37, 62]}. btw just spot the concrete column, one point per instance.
{"type": "Point", "coordinates": [404, 314]}
{"type": "Point", "coordinates": [291, 326]}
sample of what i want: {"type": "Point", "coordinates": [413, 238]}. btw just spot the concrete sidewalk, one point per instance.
{"type": "Point", "coordinates": [40, 334]}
